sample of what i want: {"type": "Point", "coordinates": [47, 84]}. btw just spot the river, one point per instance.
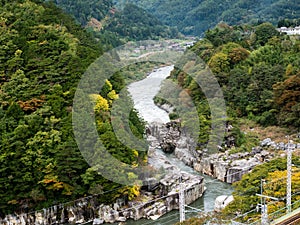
{"type": "Point", "coordinates": [142, 93]}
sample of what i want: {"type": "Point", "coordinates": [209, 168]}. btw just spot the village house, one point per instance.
{"type": "Point", "coordinates": [290, 30]}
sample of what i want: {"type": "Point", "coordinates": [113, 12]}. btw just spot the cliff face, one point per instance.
{"type": "Point", "coordinates": [159, 195]}
{"type": "Point", "coordinates": [230, 167]}
{"type": "Point", "coordinates": [90, 210]}
{"type": "Point", "coordinates": [223, 166]}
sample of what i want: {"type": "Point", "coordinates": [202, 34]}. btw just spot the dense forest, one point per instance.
{"type": "Point", "coordinates": [43, 55]}
{"type": "Point", "coordinates": [258, 70]}
{"type": "Point", "coordinates": [194, 17]}
{"type": "Point", "coordinates": [114, 26]}
{"type": "Point", "coordinates": [83, 11]}
{"type": "Point", "coordinates": [135, 23]}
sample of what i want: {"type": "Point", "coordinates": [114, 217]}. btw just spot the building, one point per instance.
{"type": "Point", "coordinates": [290, 30]}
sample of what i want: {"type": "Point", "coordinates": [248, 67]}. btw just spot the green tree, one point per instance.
{"type": "Point", "coordinates": [287, 98]}
{"type": "Point", "coordinates": [264, 32]}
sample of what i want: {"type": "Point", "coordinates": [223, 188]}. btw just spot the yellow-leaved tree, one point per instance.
{"type": "Point", "coordinates": [276, 184]}
{"type": "Point", "coordinates": [101, 104]}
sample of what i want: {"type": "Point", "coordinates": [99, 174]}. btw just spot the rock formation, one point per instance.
{"type": "Point", "coordinates": [223, 166]}
{"type": "Point", "coordinates": [162, 194]}
{"type": "Point", "coordinates": [170, 138]}
{"type": "Point", "coordinates": [222, 201]}
{"type": "Point", "coordinates": [90, 210]}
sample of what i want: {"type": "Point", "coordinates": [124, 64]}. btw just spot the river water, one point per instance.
{"type": "Point", "coordinates": [142, 93]}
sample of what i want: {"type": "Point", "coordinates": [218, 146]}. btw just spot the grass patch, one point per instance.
{"type": "Point", "coordinates": [277, 134]}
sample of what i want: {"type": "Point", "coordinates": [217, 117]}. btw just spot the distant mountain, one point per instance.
{"type": "Point", "coordinates": [195, 16]}
{"type": "Point", "coordinates": [129, 23]}
{"type": "Point", "coordinates": [84, 10]}
{"type": "Point", "coordinates": [135, 23]}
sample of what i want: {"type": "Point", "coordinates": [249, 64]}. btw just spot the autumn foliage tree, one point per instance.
{"type": "Point", "coordinates": [43, 55]}
{"type": "Point", "coordinates": [287, 99]}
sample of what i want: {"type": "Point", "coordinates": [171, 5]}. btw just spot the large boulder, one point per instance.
{"type": "Point", "coordinates": [168, 145]}
{"type": "Point", "coordinates": [98, 221]}
{"type": "Point", "coordinates": [169, 142]}
{"type": "Point", "coordinates": [222, 201]}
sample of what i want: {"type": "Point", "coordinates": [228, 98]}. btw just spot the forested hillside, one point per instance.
{"type": "Point", "coordinates": [135, 23]}
{"type": "Point", "coordinates": [194, 17]}
{"type": "Point", "coordinates": [84, 10]}
{"type": "Point", "coordinates": [115, 25]}
{"type": "Point", "coordinates": [43, 55]}
{"type": "Point", "coordinates": [258, 71]}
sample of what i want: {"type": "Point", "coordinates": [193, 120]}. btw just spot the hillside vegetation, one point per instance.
{"type": "Point", "coordinates": [258, 71]}
{"type": "Point", "coordinates": [84, 10]}
{"type": "Point", "coordinates": [43, 55]}
{"type": "Point", "coordinates": [193, 17]}
{"type": "Point", "coordinates": [116, 25]}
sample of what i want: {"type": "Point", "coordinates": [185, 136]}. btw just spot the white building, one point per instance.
{"type": "Point", "coordinates": [290, 30]}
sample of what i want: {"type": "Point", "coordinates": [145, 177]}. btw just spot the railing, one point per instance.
{"type": "Point", "coordinates": [282, 212]}
{"type": "Point", "coordinates": [272, 216]}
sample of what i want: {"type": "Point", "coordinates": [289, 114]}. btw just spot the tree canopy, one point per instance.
{"type": "Point", "coordinates": [194, 17]}
{"type": "Point", "coordinates": [43, 55]}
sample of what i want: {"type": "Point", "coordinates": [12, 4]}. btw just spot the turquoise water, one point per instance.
{"type": "Point", "coordinates": [205, 203]}
{"type": "Point", "coordinates": [214, 189]}
{"type": "Point", "coordinates": [143, 101]}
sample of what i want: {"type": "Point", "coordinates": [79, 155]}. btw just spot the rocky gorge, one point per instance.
{"type": "Point", "coordinates": [90, 210]}
{"type": "Point", "coordinates": [225, 166]}
{"type": "Point", "coordinates": [159, 197]}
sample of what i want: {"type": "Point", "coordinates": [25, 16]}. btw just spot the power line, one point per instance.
{"type": "Point", "coordinates": [264, 215]}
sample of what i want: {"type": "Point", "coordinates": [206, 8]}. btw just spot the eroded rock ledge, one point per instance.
{"type": "Point", "coordinates": [159, 195]}
{"type": "Point", "coordinates": [222, 166]}
{"type": "Point", "coordinates": [230, 168]}
{"type": "Point", "coordinates": [90, 210]}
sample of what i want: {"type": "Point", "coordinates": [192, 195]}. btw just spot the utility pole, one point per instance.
{"type": "Point", "coordinates": [181, 202]}
{"type": "Point", "coordinates": [263, 205]}
{"type": "Point", "coordinates": [264, 208]}
{"type": "Point", "coordinates": [264, 213]}
{"type": "Point", "coordinates": [289, 178]}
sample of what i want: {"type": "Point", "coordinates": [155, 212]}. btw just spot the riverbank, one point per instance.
{"type": "Point", "coordinates": [152, 205]}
